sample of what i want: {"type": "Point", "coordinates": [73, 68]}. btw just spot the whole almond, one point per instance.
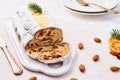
{"type": "Point", "coordinates": [73, 79]}
{"type": "Point", "coordinates": [80, 45]}
{"type": "Point", "coordinates": [113, 53]}
{"type": "Point", "coordinates": [114, 68]}
{"type": "Point", "coordinates": [95, 57]}
{"type": "Point", "coordinates": [98, 40]}
{"type": "Point", "coordinates": [33, 78]}
{"type": "Point", "coordinates": [82, 67]}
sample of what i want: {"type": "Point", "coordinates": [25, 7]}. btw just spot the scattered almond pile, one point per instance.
{"type": "Point", "coordinates": [114, 45]}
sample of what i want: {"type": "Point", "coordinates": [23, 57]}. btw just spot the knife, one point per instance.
{"type": "Point", "coordinates": [15, 67]}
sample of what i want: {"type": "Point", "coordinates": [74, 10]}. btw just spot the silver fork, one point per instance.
{"type": "Point", "coordinates": [15, 67]}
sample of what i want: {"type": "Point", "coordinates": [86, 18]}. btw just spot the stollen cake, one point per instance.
{"type": "Point", "coordinates": [40, 41]}
{"type": "Point", "coordinates": [47, 45]}
{"type": "Point", "coordinates": [27, 19]}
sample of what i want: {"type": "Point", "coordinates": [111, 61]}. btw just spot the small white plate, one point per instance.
{"type": "Point", "coordinates": [74, 5]}
{"type": "Point", "coordinates": [36, 65]}
{"type": "Point", "coordinates": [85, 13]}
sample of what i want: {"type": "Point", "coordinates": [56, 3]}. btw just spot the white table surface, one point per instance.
{"type": "Point", "coordinates": [77, 28]}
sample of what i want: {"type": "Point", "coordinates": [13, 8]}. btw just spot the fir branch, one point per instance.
{"type": "Point", "coordinates": [34, 8]}
{"type": "Point", "coordinates": [115, 33]}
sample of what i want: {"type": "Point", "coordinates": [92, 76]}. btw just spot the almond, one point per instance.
{"type": "Point", "coordinates": [95, 57]}
{"type": "Point", "coordinates": [82, 67]}
{"type": "Point", "coordinates": [113, 53]}
{"type": "Point", "coordinates": [98, 40]}
{"type": "Point", "coordinates": [33, 78]}
{"type": "Point", "coordinates": [73, 79]}
{"type": "Point", "coordinates": [80, 45]}
{"type": "Point", "coordinates": [114, 68]}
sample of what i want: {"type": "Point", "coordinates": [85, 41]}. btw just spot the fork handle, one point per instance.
{"type": "Point", "coordinates": [106, 9]}
{"type": "Point", "coordinates": [15, 67]}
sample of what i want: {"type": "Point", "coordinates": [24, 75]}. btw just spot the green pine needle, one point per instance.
{"type": "Point", "coordinates": [34, 8]}
{"type": "Point", "coordinates": [115, 33]}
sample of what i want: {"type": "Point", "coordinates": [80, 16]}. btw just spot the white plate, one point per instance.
{"type": "Point", "coordinates": [74, 5]}
{"type": "Point", "coordinates": [36, 65]}
{"type": "Point", "coordinates": [84, 13]}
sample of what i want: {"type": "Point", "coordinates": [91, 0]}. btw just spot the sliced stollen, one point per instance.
{"type": "Point", "coordinates": [54, 53]}
{"type": "Point", "coordinates": [47, 46]}
{"type": "Point", "coordinates": [50, 35]}
{"type": "Point", "coordinates": [50, 53]}
{"type": "Point", "coordinates": [34, 45]}
{"type": "Point", "coordinates": [44, 37]}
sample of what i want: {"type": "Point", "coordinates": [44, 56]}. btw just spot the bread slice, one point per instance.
{"type": "Point", "coordinates": [48, 52]}
{"type": "Point", "coordinates": [59, 54]}
{"type": "Point", "coordinates": [54, 51]}
{"type": "Point", "coordinates": [50, 35]}
{"type": "Point", "coordinates": [34, 43]}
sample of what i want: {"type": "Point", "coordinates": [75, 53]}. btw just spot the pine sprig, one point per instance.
{"type": "Point", "coordinates": [115, 33]}
{"type": "Point", "coordinates": [34, 8]}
